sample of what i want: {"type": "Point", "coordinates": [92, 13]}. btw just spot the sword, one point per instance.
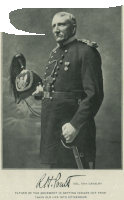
{"type": "Point", "coordinates": [75, 152]}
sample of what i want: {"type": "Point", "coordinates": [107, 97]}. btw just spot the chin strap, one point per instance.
{"type": "Point", "coordinates": [36, 114]}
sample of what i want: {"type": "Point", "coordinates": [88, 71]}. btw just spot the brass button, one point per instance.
{"type": "Point", "coordinates": [53, 91]}
{"type": "Point", "coordinates": [54, 79]}
{"type": "Point", "coordinates": [57, 67]}
{"type": "Point", "coordinates": [66, 51]}
{"type": "Point", "coordinates": [52, 86]}
{"type": "Point", "coordinates": [62, 56]}
{"type": "Point", "coordinates": [60, 61]}
{"type": "Point", "coordinates": [47, 67]}
{"type": "Point", "coordinates": [56, 73]}
{"type": "Point", "coordinates": [51, 97]}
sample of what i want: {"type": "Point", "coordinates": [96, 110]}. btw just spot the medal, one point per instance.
{"type": "Point", "coordinates": [66, 66]}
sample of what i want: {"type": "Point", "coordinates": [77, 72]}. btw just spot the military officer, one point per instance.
{"type": "Point", "coordinates": [73, 93]}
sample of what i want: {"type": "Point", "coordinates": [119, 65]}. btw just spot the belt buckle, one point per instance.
{"type": "Point", "coordinates": [46, 95]}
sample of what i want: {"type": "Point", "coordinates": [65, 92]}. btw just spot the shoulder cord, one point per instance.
{"type": "Point", "coordinates": [54, 50]}
{"type": "Point", "coordinates": [36, 114]}
{"type": "Point", "coordinates": [56, 62]}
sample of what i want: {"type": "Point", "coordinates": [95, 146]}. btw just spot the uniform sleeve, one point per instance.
{"type": "Point", "coordinates": [92, 82]}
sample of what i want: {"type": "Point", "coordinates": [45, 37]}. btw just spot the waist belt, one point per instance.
{"type": "Point", "coordinates": [66, 95]}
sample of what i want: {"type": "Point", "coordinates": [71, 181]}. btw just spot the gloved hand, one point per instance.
{"type": "Point", "coordinates": [69, 132]}
{"type": "Point", "coordinates": [38, 91]}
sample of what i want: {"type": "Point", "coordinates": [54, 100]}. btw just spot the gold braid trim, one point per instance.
{"type": "Point", "coordinates": [89, 43]}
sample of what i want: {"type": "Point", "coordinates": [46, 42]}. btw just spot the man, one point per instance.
{"type": "Point", "coordinates": [73, 93]}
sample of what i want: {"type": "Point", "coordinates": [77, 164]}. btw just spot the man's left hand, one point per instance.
{"type": "Point", "coordinates": [69, 132]}
{"type": "Point", "coordinates": [38, 91]}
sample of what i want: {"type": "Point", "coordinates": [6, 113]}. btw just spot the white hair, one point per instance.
{"type": "Point", "coordinates": [71, 17]}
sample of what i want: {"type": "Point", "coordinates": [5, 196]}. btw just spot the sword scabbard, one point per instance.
{"type": "Point", "coordinates": [77, 157]}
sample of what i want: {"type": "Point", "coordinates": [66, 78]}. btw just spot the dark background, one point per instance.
{"type": "Point", "coordinates": [21, 130]}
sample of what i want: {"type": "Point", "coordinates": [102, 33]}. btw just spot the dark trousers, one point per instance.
{"type": "Point", "coordinates": [86, 165]}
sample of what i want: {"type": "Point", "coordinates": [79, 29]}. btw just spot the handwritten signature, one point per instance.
{"type": "Point", "coordinates": [47, 182]}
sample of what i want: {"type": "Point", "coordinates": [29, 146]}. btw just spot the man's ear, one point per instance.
{"type": "Point", "coordinates": [74, 28]}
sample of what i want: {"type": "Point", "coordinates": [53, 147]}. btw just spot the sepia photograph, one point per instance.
{"type": "Point", "coordinates": [62, 90]}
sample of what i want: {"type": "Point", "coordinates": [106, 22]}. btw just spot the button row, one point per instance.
{"type": "Point", "coordinates": [61, 56]}
{"type": "Point", "coordinates": [61, 61]}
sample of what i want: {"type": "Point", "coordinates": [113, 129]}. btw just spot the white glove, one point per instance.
{"type": "Point", "coordinates": [69, 132]}
{"type": "Point", "coordinates": [38, 91]}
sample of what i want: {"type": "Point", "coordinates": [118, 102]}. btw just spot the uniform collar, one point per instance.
{"type": "Point", "coordinates": [67, 41]}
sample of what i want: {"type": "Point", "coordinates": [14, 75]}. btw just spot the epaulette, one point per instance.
{"type": "Point", "coordinates": [89, 43]}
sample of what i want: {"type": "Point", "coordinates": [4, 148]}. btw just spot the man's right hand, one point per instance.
{"type": "Point", "coordinates": [38, 91]}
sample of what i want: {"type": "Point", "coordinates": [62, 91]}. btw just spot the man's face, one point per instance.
{"type": "Point", "coordinates": [62, 28]}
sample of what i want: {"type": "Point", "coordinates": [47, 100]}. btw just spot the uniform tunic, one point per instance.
{"type": "Point", "coordinates": [77, 69]}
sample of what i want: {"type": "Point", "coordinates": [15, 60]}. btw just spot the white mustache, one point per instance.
{"type": "Point", "coordinates": [58, 35]}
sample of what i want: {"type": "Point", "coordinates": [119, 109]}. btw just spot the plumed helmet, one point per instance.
{"type": "Point", "coordinates": [23, 82]}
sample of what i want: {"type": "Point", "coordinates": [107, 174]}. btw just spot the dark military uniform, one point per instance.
{"type": "Point", "coordinates": [73, 93]}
